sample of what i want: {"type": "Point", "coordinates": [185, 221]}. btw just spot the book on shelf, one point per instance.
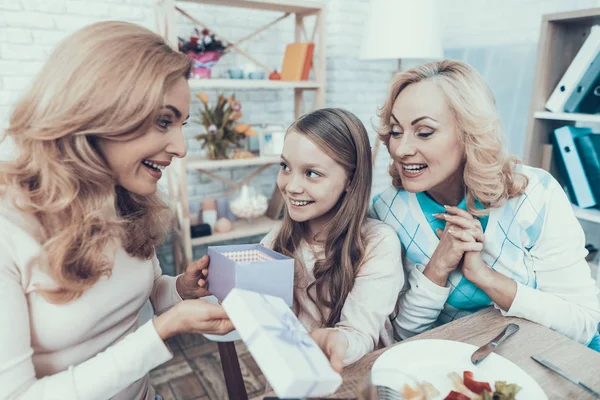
{"type": "Point", "coordinates": [570, 165]}
{"type": "Point", "coordinates": [573, 76]}
{"type": "Point", "coordinates": [297, 61]}
{"type": "Point", "coordinates": [585, 99]}
{"type": "Point", "coordinates": [588, 147]}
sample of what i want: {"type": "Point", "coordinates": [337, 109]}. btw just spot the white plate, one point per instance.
{"type": "Point", "coordinates": [432, 360]}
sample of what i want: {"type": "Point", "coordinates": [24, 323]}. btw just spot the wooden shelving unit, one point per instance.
{"type": "Point", "coordinates": [300, 7]}
{"type": "Point", "coordinates": [587, 214]}
{"type": "Point", "coordinates": [165, 11]}
{"type": "Point", "coordinates": [193, 163]}
{"type": "Point", "coordinates": [595, 269]}
{"type": "Point", "coordinates": [561, 37]}
{"type": "Point", "coordinates": [242, 228]}
{"type": "Point", "coordinates": [203, 84]}
{"type": "Point", "coordinates": [572, 117]}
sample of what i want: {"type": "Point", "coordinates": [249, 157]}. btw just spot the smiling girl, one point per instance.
{"type": "Point", "coordinates": [80, 218]}
{"type": "Point", "coordinates": [348, 267]}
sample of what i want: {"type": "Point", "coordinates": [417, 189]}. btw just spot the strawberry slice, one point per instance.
{"type": "Point", "coordinates": [456, 396]}
{"type": "Point", "coordinates": [473, 385]}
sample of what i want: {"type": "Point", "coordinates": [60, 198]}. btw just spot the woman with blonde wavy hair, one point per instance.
{"type": "Point", "coordinates": [479, 228]}
{"type": "Point", "coordinates": [80, 219]}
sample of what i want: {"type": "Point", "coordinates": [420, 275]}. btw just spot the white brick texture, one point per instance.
{"type": "Point", "coordinates": [29, 29]}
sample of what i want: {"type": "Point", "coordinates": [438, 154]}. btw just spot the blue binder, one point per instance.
{"type": "Point", "coordinates": [571, 167]}
{"type": "Point", "coordinates": [586, 96]}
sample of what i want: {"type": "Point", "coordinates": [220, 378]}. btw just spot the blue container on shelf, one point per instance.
{"type": "Point", "coordinates": [235, 73]}
{"type": "Point", "coordinates": [256, 75]}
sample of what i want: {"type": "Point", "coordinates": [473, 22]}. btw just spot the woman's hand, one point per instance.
{"type": "Point", "coordinates": [501, 289]}
{"type": "Point", "coordinates": [469, 227]}
{"type": "Point", "coordinates": [193, 316]}
{"type": "Point", "coordinates": [475, 269]}
{"type": "Point", "coordinates": [192, 283]}
{"type": "Point", "coordinates": [334, 344]}
{"type": "Point", "coordinates": [469, 230]}
{"type": "Point", "coordinates": [462, 234]}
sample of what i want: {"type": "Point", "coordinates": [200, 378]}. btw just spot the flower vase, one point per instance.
{"type": "Point", "coordinates": [215, 152]}
{"type": "Point", "coordinates": [203, 63]}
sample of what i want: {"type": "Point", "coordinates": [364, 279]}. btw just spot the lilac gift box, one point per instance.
{"type": "Point", "coordinates": [250, 267]}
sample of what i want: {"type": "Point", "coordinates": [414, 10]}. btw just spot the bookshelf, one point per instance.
{"type": "Point", "coordinates": [587, 214]}
{"type": "Point", "coordinates": [202, 84]}
{"type": "Point", "coordinates": [165, 12]}
{"type": "Point", "coordinates": [241, 228]}
{"type": "Point", "coordinates": [595, 269]}
{"type": "Point", "coordinates": [571, 117]}
{"type": "Point", "coordinates": [561, 36]}
{"type": "Point", "coordinates": [195, 163]}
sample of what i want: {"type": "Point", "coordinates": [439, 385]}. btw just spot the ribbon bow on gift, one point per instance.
{"type": "Point", "coordinates": [292, 331]}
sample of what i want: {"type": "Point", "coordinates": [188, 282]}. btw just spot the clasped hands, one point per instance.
{"type": "Point", "coordinates": [461, 243]}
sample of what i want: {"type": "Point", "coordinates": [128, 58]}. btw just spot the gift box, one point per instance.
{"type": "Point", "coordinates": [251, 267]}
{"type": "Point", "coordinates": [289, 358]}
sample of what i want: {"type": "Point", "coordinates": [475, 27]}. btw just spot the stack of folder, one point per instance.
{"type": "Point", "coordinates": [577, 153]}
{"type": "Point", "coordinates": [578, 91]}
{"type": "Point", "coordinates": [575, 149]}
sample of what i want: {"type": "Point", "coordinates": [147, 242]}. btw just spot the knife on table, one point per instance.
{"type": "Point", "coordinates": [562, 373]}
{"type": "Point", "coordinates": [486, 349]}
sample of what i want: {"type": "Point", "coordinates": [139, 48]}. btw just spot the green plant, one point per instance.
{"type": "Point", "coordinates": [222, 130]}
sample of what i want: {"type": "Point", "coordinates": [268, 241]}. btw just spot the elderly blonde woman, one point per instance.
{"type": "Point", "coordinates": [80, 217]}
{"type": "Point", "coordinates": [479, 229]}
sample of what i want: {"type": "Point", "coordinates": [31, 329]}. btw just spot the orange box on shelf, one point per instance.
{"type": "Point", "coordinates": [297, 61]}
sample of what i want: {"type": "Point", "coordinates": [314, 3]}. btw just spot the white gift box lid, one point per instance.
{"type": "Point", "coordinates": [289, 358]}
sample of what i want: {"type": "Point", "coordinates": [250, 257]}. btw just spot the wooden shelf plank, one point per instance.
{"type": "Point", "coordinates": [200, 84]}
{"type": "Point", "coordinates": [567, 116]}
{"type": "Point", "coordinates": [595, 270]}
{"type": "Point", "coordinates": [291, 6]}
{"type": "Point", "coordinates": [241, 229]}
{"type": "Point", "coordinates": [587, 214]}
{"type": "Point", "coordinates": [588, 17]}
{"type": "Point", "coordinates": [202, 163]}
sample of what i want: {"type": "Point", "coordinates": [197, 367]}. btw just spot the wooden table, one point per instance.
{"type": "Point", "coordinates": [480, 328]}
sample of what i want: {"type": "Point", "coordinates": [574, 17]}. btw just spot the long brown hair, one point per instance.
{"type": "Point", "coordinates": [489, 173]}
{"type": "Point", "coordinates": [107, 80]}
{"type": "Point", "coordinates": [341, 135]}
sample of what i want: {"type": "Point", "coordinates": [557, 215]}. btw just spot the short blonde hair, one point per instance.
{"type": "Point", "coordinates": [489, 173]}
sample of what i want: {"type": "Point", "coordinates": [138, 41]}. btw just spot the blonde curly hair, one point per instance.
{"type": "Point", "coordinates": [489, 173]}
{"type": "Point", "coordinates": [108, 80]}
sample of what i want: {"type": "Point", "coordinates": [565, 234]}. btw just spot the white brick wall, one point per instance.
{"type": "Point", "coordinates": [29, 29]}
{"type": "Point", "coordinates": [477, 23]}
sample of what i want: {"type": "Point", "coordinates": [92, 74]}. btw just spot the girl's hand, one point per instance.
{"type": "Point", "coordinates": [334, 344]}
{"type": "Point", "coordinates": [192, 283]}
{"type": "Point", "coordinates": [455, 241]}
{"type": "Point", "coordinates": [193, 316]}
